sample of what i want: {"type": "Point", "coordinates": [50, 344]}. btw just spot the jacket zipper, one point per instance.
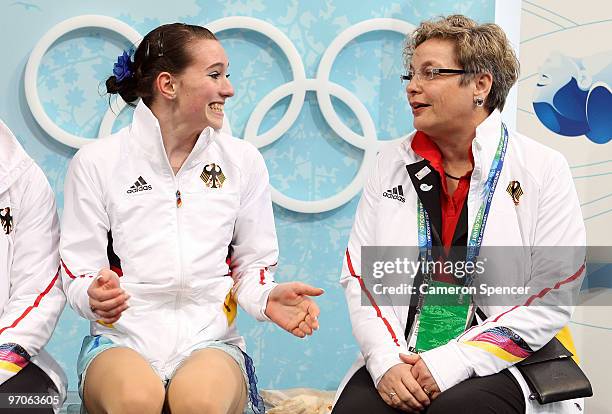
{"type": "Point", "coordinates": [177, 302]}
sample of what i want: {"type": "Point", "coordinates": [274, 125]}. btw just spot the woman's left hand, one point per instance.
{"type": "Point", "coordinates": [421, 374]}
{"type": "Point", "coordinates": [290, 307]}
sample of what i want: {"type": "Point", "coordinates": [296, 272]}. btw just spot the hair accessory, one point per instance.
{"type": "Point", "coordinates": [479, 101]}
{"type": "Point", "coordinates": [123, 69]}
{"type": "Point", "coordinates": [160, 45]}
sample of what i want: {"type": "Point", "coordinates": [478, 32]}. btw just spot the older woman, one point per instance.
{"type": "Point", "coordinates": [462, 179]}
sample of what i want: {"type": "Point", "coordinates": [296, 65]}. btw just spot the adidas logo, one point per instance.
{"type": "Point", "coordinates": [139, 185]}
{"type": "Point", "coordinates": [395, 193]}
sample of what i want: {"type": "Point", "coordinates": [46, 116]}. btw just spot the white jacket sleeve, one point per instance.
{"type": "Point", "coordinates": [512, 334]}
{"type": "Point", "coordinates": [35, 300]}
{"type": "Point", "coordinates": [254, 249]}
{"type": "Point", "coordinates": [84, 240]}
{"type": "Point", "coordinates": [377, 329]}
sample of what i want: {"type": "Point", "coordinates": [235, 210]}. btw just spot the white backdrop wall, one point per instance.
{"type": "Point", "coordinates": [564, 101]}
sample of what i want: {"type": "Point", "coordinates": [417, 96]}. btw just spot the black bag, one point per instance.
{"type": "Point", "coordinates": [552, 375]}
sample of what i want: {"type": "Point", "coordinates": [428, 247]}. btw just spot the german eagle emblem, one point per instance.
{"type": "Point", "coordinates": [6, 220]}
{"type": "Point", "coordinates": [515, 191]}
{"type": "Point", "coordinates": [213, 176]}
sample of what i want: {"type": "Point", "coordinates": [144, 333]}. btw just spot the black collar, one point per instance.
{"type": "Point", "coordinates": [429, 190]}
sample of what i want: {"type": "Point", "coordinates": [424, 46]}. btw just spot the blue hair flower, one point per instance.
{"type": "Point", "coordinates": [123, 68]}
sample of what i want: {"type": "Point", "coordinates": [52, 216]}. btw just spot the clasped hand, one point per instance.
{"type": "Point", "coordinates": [408, 386]}
{"type": "Point", "coordinates": [106, 298]}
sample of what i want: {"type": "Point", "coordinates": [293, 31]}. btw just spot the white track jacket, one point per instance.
{"type": "Point", "coordinates": [174, 236]}
{"type": "Point", "coordinates": [548, 214]}
{"type": "Point", "coordinates": [31, 298]}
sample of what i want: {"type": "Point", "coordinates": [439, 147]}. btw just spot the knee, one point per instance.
{"type": "Point", "coordinates": [450, 402]}
{"type": "Point", "coordinates": [361, 403]}
{"type": "Point", "coordinates": [198, 404]}
{"type": "Point", "coordinates": [352, 404]}
{"type": "Point", "coordinates": [345, 408]}
{"type": "Point", "coordinates": [138, 399]}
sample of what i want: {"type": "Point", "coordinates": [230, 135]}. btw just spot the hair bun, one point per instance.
{"type": "Point", "coordinates": [112, 86]}
{"type": "Point", "coordinates": [126, 88]}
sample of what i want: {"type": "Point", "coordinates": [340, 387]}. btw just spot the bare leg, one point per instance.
{"type": "Point", "coordinates": [209, 381]}
{"type": "Point", "coordinates": [119, 380]}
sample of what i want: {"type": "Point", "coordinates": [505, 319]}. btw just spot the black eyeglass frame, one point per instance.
{"type": "Point", "coordinates": [434, 72]}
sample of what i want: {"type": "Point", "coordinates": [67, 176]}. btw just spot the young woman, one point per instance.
{"type": "Point", "coordinates": [185, 215]}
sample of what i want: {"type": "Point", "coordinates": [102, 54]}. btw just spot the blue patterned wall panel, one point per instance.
{"type": "Point", "coordinates": [309, 162]}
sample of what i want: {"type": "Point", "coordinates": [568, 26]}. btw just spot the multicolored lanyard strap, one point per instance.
{"type": "Point", "coordinates": [474, 242]}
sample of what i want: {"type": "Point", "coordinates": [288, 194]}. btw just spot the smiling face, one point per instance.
{"type": "Point", "coordinates": [203, 87]}
{"type": "Point", "coordinates": [441, 105]}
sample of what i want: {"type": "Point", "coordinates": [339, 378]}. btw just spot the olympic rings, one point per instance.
{"type": "Point", "coordinates": [297, 88]}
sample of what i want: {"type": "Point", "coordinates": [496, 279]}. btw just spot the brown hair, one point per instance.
{"type": "Point", "coordinates": [164, 49]}
{"type": "Point", "coordinates": [480, 48]}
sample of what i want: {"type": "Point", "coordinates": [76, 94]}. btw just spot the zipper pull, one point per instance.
{"type": "Point", "coordinates": [179, 202]}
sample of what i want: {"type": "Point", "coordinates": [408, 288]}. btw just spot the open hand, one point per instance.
{"type": "Point", "coordinates": [290, 307]}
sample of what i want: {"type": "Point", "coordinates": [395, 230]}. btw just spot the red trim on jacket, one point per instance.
{"type": "Point", "coordinates": [544, 291]}
{"type": "Point", "coordinates": [262, 273]}
{"type": "Point", "coordinates": [557, 286]}
{"type": "Point", "coordinates": [541, 294]}
{"type": "Point", "coordinates": [117, 270]}
{"type": "Point", "coordinates": [34, 305]}
{"type": "Point", "coordinates": [69, 273]}
{"type": "Point", "coordinates": [370, 298]}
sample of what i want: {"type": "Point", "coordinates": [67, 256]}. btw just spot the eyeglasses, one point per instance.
{"type": "Point", "coordinates": [428, 74]}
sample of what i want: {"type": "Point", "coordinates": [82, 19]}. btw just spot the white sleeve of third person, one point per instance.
{"type": "Point", "coordinates": [35, 299]}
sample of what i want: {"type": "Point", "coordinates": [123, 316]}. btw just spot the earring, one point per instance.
{"type": "Point", "coordinates": [479, 101]}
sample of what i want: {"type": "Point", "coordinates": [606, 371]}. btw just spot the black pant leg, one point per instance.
{"type": "Point", "coordinates": [31, 380]}
{"type": "Point", "coordinates": [361, 397]}
{"type": "Point", "coordinates": [494, 394]}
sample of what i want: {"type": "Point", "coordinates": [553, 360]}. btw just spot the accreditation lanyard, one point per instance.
{"type": "Point", "coordinates": [456, 314]}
